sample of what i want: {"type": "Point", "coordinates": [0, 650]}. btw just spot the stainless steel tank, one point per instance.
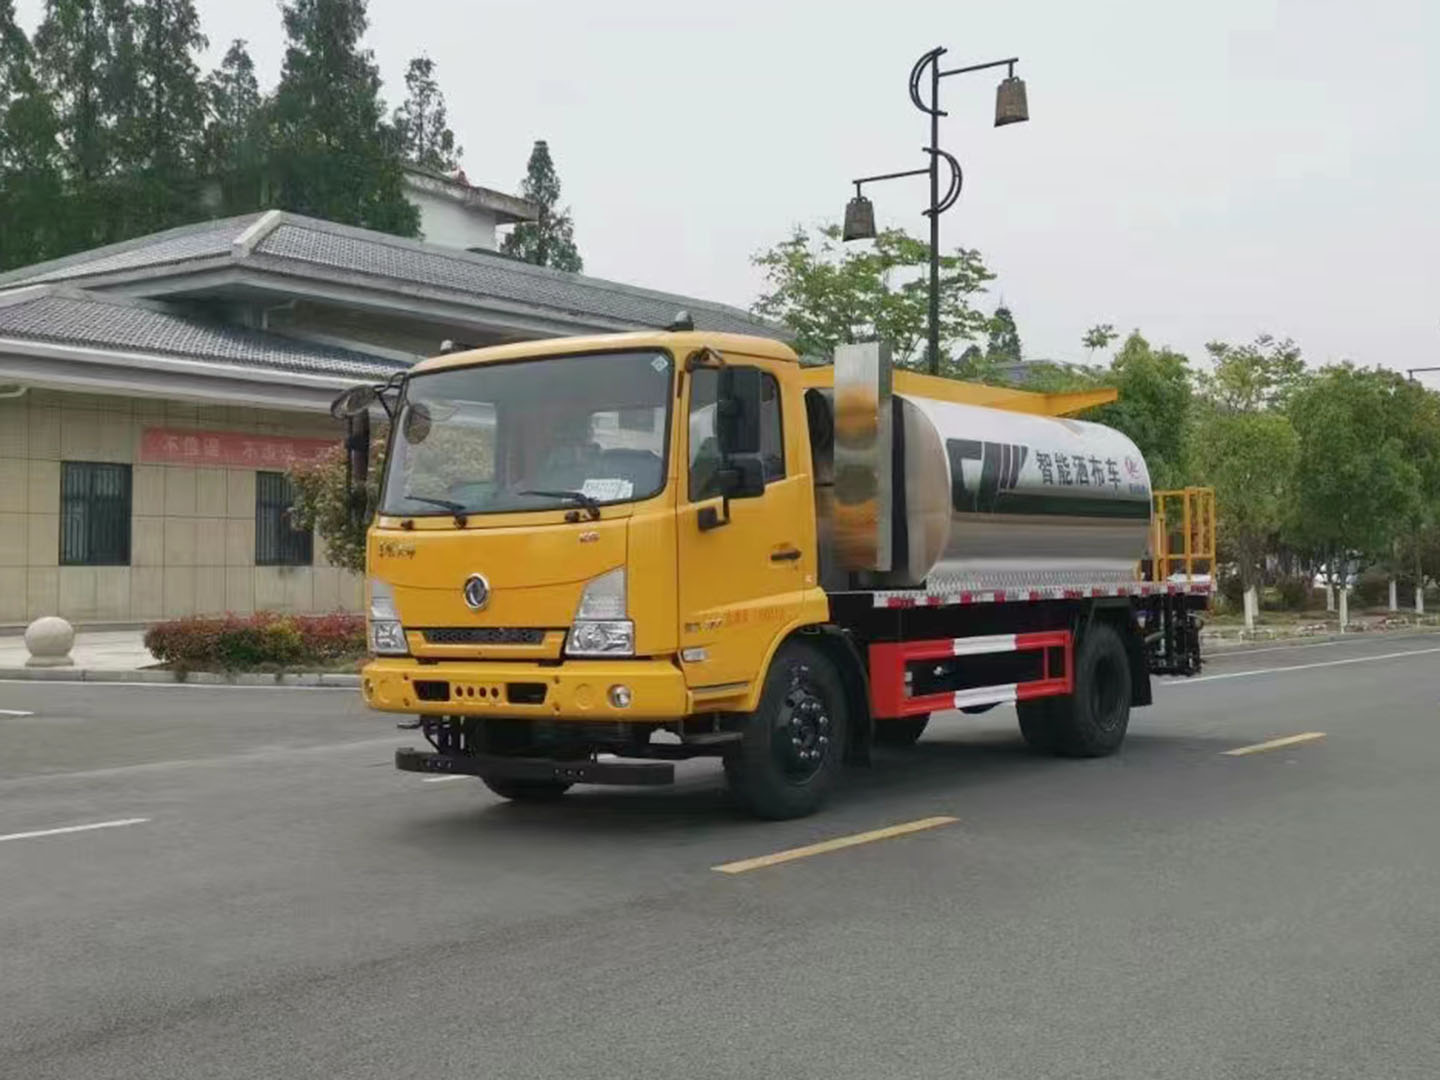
{"type": "Point", "coordinates": [955, 497]}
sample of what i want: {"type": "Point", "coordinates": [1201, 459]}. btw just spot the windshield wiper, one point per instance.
{"type": "Point", "coordinates": [458, 509]}
{"type": "Point", "coordinates": [590, 505]}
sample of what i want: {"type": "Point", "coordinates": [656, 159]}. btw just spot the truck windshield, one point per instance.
{"type": "Point", "coordinates": [531, 435]}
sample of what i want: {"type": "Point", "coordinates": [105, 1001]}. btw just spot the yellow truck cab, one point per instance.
{"type": "Point", "coordinates": [594, 556]}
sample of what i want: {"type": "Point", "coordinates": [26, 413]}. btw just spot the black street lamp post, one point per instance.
{"type": "Point", "coordinates": [1010, 108]}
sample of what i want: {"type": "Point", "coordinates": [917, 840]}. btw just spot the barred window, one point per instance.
{"type": "Point", "coordinates": [94, 514]}
{"type": "Point", "coordinates": [277, 541]}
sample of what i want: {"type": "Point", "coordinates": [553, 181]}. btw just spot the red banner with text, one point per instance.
{"type": "Point", "coordinates": [230, 449]}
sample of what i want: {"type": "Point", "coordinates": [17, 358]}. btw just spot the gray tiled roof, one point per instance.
{"type": "Point", "coordinates": [481, 275]}
{"type": "Point", "coordinates": [308, 248]}
{"type": "Point", "coordinates": [86, 319]}
{"type": "Point", "coordinates": [163, 249]}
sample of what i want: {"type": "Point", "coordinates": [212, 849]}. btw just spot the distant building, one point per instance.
{"type": "Point", "coordinates": [455, 213]}
{"type": "Point", "coordinates": [153, 393]}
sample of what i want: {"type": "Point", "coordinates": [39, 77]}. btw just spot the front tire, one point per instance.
{"type": "Point", "coordinates": [1091, 722]}
{"type": "Point", "coordinates": [526, 790]}
{"type": "Point", "coordinates": [790, 755]}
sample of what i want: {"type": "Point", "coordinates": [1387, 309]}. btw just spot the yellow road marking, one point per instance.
{"type": "Point", "coordinates": [1275, 744]}
{"type": "Point", "coordinates": [833, 845]}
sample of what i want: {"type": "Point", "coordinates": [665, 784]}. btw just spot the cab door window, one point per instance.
{"type": "Point", "coordinates": [705, 448]}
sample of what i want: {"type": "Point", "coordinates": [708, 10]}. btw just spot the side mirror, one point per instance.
{"type": "Point", "coordinates": [353, 402]}
{"type": "Point", "coordinates": [357, 464]}
{"type": "Point", "coordinates": [737, 412]}
{"type": "Point", "coordinates": [742, 476]}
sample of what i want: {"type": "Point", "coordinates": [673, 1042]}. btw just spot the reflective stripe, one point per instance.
{"type": "Point", "coordinates": [985, 695]}
{"type": "Point", "coordinates": [908, 598]}
{"type": "Point", "coordinates": [986, 643]}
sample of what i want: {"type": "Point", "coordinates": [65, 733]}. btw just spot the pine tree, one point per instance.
{"type": "Point", "coordinates": [549, 241]}
{"type": "Point", "coordinates": [422, 122]}
{"type": "Point", "coordinates": [74, 51]}
{"type": "Point", "coordinates": [75, 56]}
{"type": "Point", "coordinates": [30, 181]}
{"type": "Point", "coordinates": [159, 101]}
{"type": "Point", "coordinates": [173, 101]}
{"type": "Point", "coordinates": [1004, 344]}
{"type": "Point", "coordinates": [334, 157]}
{"type": "Point", "coordinates": [234, 152]}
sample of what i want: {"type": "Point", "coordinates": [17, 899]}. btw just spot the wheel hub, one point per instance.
{"type": "Point", "coordinates": [803, 733]}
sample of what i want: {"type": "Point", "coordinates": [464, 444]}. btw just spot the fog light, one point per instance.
{"type": "Point", "coordinates": [620, 696]}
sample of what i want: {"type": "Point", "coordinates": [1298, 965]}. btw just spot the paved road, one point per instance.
{"type": "Point", "coordinates": [292, 907]}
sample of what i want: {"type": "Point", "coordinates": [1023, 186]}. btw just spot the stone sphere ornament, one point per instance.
{"type": "Point", "coordinates": [49, 640]}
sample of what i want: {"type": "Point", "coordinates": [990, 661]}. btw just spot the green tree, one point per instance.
{"type": "Point", "coordinates": [1154, 407]}
{"type": "Point", "coordinates": [1099, 336]}
{"type": "Point", "coordinates": [423, 123]}
{"type": "Point", "coordinates": [75, 54]}
{"type": "Point", "coordinates": [1004, 344]}
{"type": "Point", "coordinates": [234, 153]}
{"type": "Point", "coordinates": [333, 156]}
{"type": "Point", "coordinates": [1249, 457]}
{"type": "Point", "coordinates": [1254, 376]}
{"type": "Point", "coordinates": [830, 295]}
{"type": "Point", "coordinates": [30, 179]}
{"type": "Point", "coordinates": [550, 240]}
{"type": "Point", "coordinates": [158, 97]}
{"type": "Point", "coordinates": [1362, 475]}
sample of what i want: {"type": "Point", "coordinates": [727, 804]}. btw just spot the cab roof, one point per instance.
{"type": "Point", "coordinates": [680, 344]}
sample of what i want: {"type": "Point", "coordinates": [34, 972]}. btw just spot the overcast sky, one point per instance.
{"type": "Point", "coordinates": [1198, 171]}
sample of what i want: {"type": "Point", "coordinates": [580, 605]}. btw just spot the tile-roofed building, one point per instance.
{"type": "Point", "coordinates": [426, 292]}
{"type": "Point", "coordinates": [154, 392]}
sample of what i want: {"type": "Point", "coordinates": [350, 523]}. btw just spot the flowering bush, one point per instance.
{"type": "Point", "coordinates": [322, 502]}
{"type": "Point", "coordinates": [250, 641]}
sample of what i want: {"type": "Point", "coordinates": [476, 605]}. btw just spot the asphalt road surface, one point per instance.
{"type": "Point", "coordinates": [267, 897]}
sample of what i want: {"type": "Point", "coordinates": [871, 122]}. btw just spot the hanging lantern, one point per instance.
{"type": "Point", "coordinates": [859, 219]}
{"type": "Point", "coordinates": [1010, 104]}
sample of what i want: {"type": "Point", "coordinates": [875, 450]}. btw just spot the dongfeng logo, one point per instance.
{"type": "Point", "coordinates": [476, 592]}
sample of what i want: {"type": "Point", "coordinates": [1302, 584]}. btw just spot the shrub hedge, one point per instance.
{"type": "Point", "coordinates": [237, 642]}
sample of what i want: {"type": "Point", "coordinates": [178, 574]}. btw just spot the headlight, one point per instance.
{"type": "Point", "coordinates": [602, 637]}
{"type": "Point", "coordinates": [387, 636]}
{"type": "Point", "coordinates": [600, 627]}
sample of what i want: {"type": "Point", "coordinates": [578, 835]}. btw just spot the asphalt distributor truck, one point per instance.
{"type": "Point", "coordinates": [595, 556]}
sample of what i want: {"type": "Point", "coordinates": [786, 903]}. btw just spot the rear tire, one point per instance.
{"type": "Point", "coordinates": [791, 751]}
{"type": "Point", "coordinates": [526, 790]}
{"type": "Point", "coordinates": [1091, 722]}
{"type": "Point", "coordinates": [901, 731]}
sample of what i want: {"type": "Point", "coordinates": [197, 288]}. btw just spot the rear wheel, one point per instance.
{"type": "Point", "coordinates": [526, 790]}
{"type": "Point", "coordinates": [901, 731]}
{"type": "Point", "coordinates": [1093, 720]}
{"type": "Point", "coordinates": [789, 757]}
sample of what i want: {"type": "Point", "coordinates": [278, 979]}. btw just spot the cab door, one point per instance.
{"type": "Point", "coordinates": [744, 563]}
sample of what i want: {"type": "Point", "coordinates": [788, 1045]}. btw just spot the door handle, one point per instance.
{"type": "Point", "coordinates": [785, 555]}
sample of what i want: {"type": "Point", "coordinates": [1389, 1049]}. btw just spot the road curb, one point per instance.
{"type": "Point", "coordinates": [1219, 645]}
{"type": "Point", "coordinates": [194, 678]}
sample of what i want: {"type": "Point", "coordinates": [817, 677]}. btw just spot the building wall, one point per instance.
{"type": "Point", "coordinates": [192, 541]}
{"type": "Point", "coordinates": [446, 222]}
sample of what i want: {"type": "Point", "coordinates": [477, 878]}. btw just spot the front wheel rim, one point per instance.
{"type": "Point", "coordinates": [802, 737]}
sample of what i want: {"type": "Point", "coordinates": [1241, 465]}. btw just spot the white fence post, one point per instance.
{"type": "Point", "coordinates": [1251, 606]}
{"type": "Point", "coordinates": [1344, 607]}
{"type": "Point", "coordinates": [1419, 599]}
{"type": "Point", "coordinates": [1394, 596]}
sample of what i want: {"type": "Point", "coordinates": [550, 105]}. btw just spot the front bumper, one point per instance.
{"type": "Point", "coordinates": [545, 769]}
{"type": "Point", "coordinates": [573, 690]}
